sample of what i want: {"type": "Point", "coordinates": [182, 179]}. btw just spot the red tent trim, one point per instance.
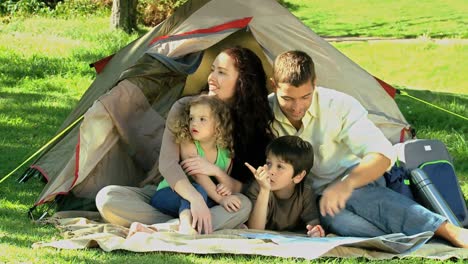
{"type": "Point", "coordinates": [101, 64]}
{"type": "Point", "coordinates": [240, 23]}
{"type": "Point", "coordinates": [388, 88]}
{"type": "Point", "coordinates": [77, 163]}
{"type": "Point", "coordinates": [42, 171]}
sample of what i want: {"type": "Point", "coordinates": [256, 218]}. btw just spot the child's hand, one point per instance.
{"type": "Point", "coordinates": [231, 203]}
{"type": "Point", "coordinates": [261, 175]}
{"type": "Point", "coordinates": [223, 190]}
{"type": "Point", "coordinates": [315, 231]}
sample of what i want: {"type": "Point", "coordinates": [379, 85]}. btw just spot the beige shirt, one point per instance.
{"type": "Point", "coordinates": [292, 214]}
{"type": "Point", "coordinates": [340, 132]}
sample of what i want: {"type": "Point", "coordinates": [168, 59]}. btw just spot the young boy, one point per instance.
{"type": "Point", "coordinates": [281, 201]}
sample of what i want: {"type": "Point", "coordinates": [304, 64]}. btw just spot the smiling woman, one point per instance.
{"type": "Point", "coordinates": [237, 78]}
{"type": "Point", "coordinates": [223, 77]}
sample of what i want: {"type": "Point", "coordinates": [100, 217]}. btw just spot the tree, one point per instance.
{"type": "Point", "coordinates": [124, 15]}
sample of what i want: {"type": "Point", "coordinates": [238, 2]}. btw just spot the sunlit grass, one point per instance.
{"type": "Point", "coordinates": [419, 65]}
{"type": "Point", "coordinates": [397, 18]}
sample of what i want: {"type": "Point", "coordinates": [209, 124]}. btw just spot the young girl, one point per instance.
{"type": "Point", "coordinates": [203, 129]}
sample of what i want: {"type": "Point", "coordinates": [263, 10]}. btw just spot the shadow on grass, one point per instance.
{"type": "Point", "coordinates": [18, 67]}
{"type": "Point", "coordinates": [420, 114]}
{"type": "Point", "coordinates": [291, 6]}
{"type": "Point", "coordinates": [363, 30]}
{"type": "Point", "coordinates": [28, 106]}
{"type": "Point", "coordinates": [36, 67]}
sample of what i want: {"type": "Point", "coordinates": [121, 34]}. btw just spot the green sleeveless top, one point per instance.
{"type": "Point", "coordinates": [222, 161]}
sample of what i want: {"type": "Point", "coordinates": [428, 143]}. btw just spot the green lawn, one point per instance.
{"type": "Point", "coordinates": [419, 64]}
{"type": "Point", "coordinates": [396, 18]}
{"type": "Point", "coordinates": [44, 71]}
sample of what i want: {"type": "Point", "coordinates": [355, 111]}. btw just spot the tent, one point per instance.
{"type": "Point", "coordinates": [118, 140]}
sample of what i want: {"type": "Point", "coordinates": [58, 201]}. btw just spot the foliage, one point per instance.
{"type": "Point", "coordinates": [74, 8]}
{"type": "Point", "coordinates": [22, 7]}
{"type": "Point", "coordinates": [57, 8]}
{"type": "Point", "coordinates": [153, 12]}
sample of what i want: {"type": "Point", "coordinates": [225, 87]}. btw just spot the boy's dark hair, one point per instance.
{"type": "Point", "coordinates": [293, 150]}
{"type": "Point", "coordinates": [293, 67]}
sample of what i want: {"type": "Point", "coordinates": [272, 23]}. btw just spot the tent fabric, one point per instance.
{"type": "Point", "coordinates": [119, 138]}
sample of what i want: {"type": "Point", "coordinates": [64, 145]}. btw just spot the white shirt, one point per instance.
{"type": "Point", "coordinates": [340, 132]}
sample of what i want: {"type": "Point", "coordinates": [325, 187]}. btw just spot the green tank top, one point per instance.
{"type": "Point", "coordinates": [222, 161]}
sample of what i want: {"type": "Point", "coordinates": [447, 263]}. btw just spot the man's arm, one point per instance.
{"type": "Point", "coordinates": [334, 198]}
{"type": "Point", "coordinates": [365, 140]}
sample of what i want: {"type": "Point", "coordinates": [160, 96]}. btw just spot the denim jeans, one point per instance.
{"type": "Point", "coordinates": [374, 210]}
{"type": "Point", "coordinates": [171, 203]}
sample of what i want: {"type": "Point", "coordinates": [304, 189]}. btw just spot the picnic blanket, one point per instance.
{"type": "Point", "coordinates": [80, 233]}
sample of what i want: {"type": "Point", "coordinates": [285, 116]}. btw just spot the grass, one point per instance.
{"type": "Point", "coordinates": [398, 18]}
{"type": "Point", "coordinates": [44, 71]}
{"type": "Point", "coordinates": [419, 65]}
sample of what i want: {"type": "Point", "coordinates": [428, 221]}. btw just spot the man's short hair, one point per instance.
{"type": "Point", "coordinates": [293, 67]}
{"type": "Point", "coordinates": [293, 150]}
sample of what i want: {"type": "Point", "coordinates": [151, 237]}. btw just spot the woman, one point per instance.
{"type": "Point", "coordinates": [237, 77]}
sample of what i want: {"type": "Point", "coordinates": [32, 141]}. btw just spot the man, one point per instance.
{"type": "Point", "coordinates": [351, 155]}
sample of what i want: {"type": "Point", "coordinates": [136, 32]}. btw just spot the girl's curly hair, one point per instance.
{"type": "Point", "coordinates": [222, 118]}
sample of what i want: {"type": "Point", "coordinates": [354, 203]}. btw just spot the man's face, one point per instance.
{"type": "Point", "coordinates": [294, 100]}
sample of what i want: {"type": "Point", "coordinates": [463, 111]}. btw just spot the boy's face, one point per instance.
{"type": "Point", "coordinates": [202, 123]}
{"type": "Point", "coordinates": [294, 101]}
{"type": "Point", "coordinates": [281, 173]}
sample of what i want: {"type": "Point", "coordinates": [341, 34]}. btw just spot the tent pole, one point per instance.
{"type": "Point", "coordinates": [43, 147]}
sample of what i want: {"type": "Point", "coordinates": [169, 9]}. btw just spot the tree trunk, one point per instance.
{"type": "Point", "coordinates": [124, 14]}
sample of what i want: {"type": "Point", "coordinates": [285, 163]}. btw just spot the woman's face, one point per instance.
{"type": "Point", "coordinates": [223, 77]}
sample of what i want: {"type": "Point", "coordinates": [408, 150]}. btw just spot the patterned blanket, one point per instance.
{"type": "Point", "coordinates": [80, 233]}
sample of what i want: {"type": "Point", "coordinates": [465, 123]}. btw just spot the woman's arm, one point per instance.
{"type": "Point", "coordinates": [201, 166]}
{"type": "Point", "coordinates": [169, 156]}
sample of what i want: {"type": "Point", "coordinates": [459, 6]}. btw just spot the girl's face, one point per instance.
{"type": "Point", "coordinates": [202, 123]}
{"type": "Point", "coordinates": [223, 77]}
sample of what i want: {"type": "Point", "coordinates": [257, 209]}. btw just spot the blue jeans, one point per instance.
{"type": "Point", "coordinates": [171, 203]}
{"type": "Point", "coordinates": [374, 210]}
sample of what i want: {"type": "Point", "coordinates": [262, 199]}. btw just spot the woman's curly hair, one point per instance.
{"type": "Point", "coordinates": [250, 111]}
{"type": "Point", "coordinates": [222, 117]}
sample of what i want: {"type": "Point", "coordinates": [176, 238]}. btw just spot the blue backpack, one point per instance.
{"type": "Point", "coordinates": [434, 159]}
{"type": "Point", "coordinates": [398, 179]}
